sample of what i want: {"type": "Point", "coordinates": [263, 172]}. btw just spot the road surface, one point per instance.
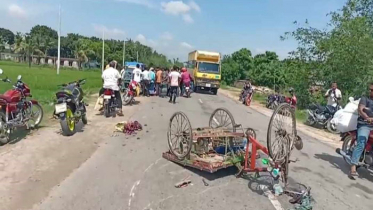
{"type": "Point", "coordinates": [128, 172]}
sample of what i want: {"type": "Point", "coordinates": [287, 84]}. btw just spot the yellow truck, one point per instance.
{"type": "Point", "coordinates": [206, 70]}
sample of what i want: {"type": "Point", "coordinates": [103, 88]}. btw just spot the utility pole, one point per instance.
{"type": "Point", "coordinates": [124, 51]}
{"type": "Point", "coordinates": [103, 50]}
{"type": "Point", "coordinates": [137, 56]}
{"type": "Point", "coordinates": [59, 40]}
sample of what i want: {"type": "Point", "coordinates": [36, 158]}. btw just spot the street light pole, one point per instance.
{"type": "Point", "coordinates": [103, 50]}
{"type": "Point", "coordinates": [59, 41]}
{"type": "Point", "coordinates": [124, 51]}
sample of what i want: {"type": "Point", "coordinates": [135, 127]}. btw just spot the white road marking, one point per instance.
{"type": "Point", "coordinates": [132, 193]}
{"type": "Point", "coordinates": [271, 197]}
{"type": "Point", "coordinates": [148, 167]}
{"type": "Point", "coordinates": [200, 101]}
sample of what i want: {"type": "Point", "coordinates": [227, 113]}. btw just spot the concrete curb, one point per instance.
{"type": "Point", "coordinates": [324, 137]}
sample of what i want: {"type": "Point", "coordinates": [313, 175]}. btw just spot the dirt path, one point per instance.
{"type": "Point", "coordinates": [323, 136]}
{"type": "Point", "coordinates": [31, 166]}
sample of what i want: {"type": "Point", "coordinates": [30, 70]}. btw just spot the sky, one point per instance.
{"type": "Point", "coordinates": [178, 27]}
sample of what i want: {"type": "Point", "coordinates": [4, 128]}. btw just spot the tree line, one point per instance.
{"type": "Point", "coordinates": [41, 41]}
{"type": "Point", "coordinates": [342, 52]}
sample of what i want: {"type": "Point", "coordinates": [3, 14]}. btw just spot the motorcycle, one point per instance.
{"type": "Point", "coordinates": [129, 94]}
{"type": "Point", "coordinates": [16, 110]}
{"type": "Point", "coordinates": [110, 103]}
{"type": "Point", "coordinates": [70, 107]}
{"type": "Point", "coordinates": [322, 116]}
{"type": "Point", "coordinates": [274, 100]}
{"type": "Point", "coordinates": [348, 146]}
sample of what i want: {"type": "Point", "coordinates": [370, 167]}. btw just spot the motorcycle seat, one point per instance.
{"type": "Point", "coordinates": [6, 98]}
{"type": "Point", "coordinates": [331, 109]}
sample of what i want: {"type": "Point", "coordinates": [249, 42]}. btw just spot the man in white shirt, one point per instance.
{"type": "Point", "coordinates": [111, 78]}
{"type": "Point", "coordinates": [334, 95]}
{"type": "Point", "coordinates": [137, 73]}
{"type": "Point", "coordinates": [145, 82]}
{"type": "Point", "coordinates": [174, 78]}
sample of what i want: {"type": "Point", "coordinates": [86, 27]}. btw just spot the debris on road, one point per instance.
{"type": "Point", "coordinates": [128, 128]}
{"type": "Point", "coordinates": [183, 183]}
{"type": "Point", "coordinates": [205, 183]}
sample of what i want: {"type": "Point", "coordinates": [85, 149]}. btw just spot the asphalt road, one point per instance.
{"type": "Point", "coordinates": [129, 172]}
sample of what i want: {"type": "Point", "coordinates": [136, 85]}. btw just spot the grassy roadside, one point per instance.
{"type": "Point", "coordinates": [262, 98]}
{"type": "Point", "coordinates": [43, 82]}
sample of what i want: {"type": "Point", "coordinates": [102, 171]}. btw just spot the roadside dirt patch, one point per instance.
{"type": "Point", "coordinates": [40, 161]}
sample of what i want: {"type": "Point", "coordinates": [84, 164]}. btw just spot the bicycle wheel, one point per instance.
{"type": "Point", "coordinates": [281, 133]}
{"type": "Point", "coordinates": [180, 135]}
{"type": "Point", "coordinates": [222, 118]}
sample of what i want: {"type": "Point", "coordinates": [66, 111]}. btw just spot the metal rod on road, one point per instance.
{"type": "Point", "coordinates": [59, 41]}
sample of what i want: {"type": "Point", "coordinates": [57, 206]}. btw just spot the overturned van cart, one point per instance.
{"type": "Point", "coordinates": [224, 143]}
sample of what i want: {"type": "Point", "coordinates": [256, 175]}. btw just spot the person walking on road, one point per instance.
{"type": "Point", "coordinates": [136, 76]}
{"type": "Point", "coordinates": [174, 78]}
{"type": "Point", "coordinates": [152, 79]}
{"type": "Point", "coordinates": [158, 80]}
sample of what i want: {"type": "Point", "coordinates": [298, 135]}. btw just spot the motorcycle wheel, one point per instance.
{"type": "Point", "coordinates": [84, 119]}
{"type": "Point", "coordinates": [310, 121]}
{"type": "Point", "coordinates": [332, 128]}
{"type": "Point", "coordinates": [4, 135]}
{"type": "Point", "coordinates": [127, 99]}
{"type": "Point", "coordinates": [68, 123]}
{"type": "Point", "coordinates": [40, 115]}
{"type": "Point", "coordinates": [107, 110]}
{"type": "Point", "coordinates": [346, 147]}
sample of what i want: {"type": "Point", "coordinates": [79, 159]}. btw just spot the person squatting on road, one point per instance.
{"type": "Point", "coordinates": [174, 78]}
{"type": "Point", "coordinates": [111, 78]}
{"type": "Point", "coordinates": [146, 83]}
{"type": "Point", "coordinates": [364, 126]}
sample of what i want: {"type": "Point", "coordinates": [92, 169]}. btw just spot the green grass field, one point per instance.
{"type": "Point", "coordinates": [43, 81]}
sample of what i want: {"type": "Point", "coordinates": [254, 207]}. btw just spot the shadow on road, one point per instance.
{"type": "Point", "coordinates": [339, 163]}
{"type": "Point", "coordinates": [20, 134]}
{"type": "Point", "coordinates": [231, 171]}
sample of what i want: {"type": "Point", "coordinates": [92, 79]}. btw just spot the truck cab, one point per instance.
{"type": "Point", "coordinates": [206, 70]}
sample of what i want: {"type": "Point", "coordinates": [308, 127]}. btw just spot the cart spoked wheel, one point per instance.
{"type": "Point", "coordinates": [281, 133]}
{"type": "Point", "coordinates": [250, 133]}
{"type": "Point", "coordinates": [222, 118]}
{"type": "Point", "coordinates": [180, 135]}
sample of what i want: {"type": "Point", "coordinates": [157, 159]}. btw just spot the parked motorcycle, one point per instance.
{"type": "Point", "coordinates": [321, 116]}
{"type": "Point", "coordinates": [274, 100]}
{"type": "Point", "coordinates": [70, 107]}
{"type": "Point", "coordinates": [349, 144]}
{"type": "Point", "coordinates": [16, 110]}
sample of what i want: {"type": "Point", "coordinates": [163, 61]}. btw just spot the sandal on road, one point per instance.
{"type": "Point", "coordinates": [353, 174]}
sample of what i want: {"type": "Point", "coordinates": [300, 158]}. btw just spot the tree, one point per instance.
{"type": "Point", "coordinates": [6, 36]}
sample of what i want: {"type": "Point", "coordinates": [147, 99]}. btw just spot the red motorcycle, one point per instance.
{"type": "Point", "coordinates": [348, 146]}
{"type": "Point", "coordinates": [16, 110]}
{"type": "Point", "coordinates": [248, 98]}
{"type": "Point", "coordinates": [129, 93]}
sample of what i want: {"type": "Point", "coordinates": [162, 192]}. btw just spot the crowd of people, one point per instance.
{"type": "Point", "coordinates": [162, 82]}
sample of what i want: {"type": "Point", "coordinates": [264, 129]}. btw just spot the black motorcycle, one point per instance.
{"type": "Point", "coordinates": [321, 116]}
{"type": "Point", "coordinates": [274, 100]}
{"type": "Point", "coordinates": [70, 107]}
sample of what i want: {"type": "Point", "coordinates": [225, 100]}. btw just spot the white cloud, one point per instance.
{"type": "Point", "coordinates": [186, 45]}
{"type": "Point", "coordinates": [177, 8]}
{"type": "Point", "coordinates": [16, 11]}
{"type": "Point", "coordinates": [187, 18]}
{"type": "Point", "coordinates": [194, 6]}
{"type": "Point", "coordinates": [146, 3]}
{"type": "Point", "coordinates": [141, 38]}
{"type": "Point", "coordinates": [167, 36]}
{"type": "Point", "coordinates": [110, 33]}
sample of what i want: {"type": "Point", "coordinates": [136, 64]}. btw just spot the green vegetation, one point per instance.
{"type": "Point", "coordinates": [42, 41]}
{"type": "Point", "coordinates": [344, 49]}
{"type": "Point", "coordinates": [43, 81]}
